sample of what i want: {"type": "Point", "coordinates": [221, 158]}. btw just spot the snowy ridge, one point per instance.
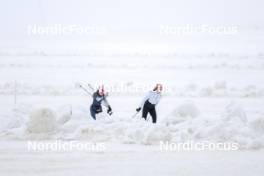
{"type": "Point", "coordinates": [184, 123]}
{"type": "Point", "coordinates": [217, 89]}
{"type": "Point", "coordinates": [257, 65]}
{"type": "Point", "coordinates": [99, 52]}
{"type": "Point", "coordinates": [208, 60]}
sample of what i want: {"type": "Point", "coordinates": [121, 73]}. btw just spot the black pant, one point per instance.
{"type": "Point", "coordinates": [149, 108]}
{"type": "Point", "coordinates": [95, 110]}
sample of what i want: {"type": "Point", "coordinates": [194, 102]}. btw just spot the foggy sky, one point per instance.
{"type": "Point", "coordinates": [126, 19]}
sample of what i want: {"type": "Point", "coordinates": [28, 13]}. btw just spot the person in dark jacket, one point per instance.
{"type": "Point", "coordinates": [149, 103]}
{"type": "Point", "coordinates": [99, 97]}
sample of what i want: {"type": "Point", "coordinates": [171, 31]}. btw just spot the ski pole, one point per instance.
{"type": "Point", "coordinates": [91, 87]}
{"type": "Point", "coordinates": [133, 116]}
{"type": "Point", "coordinates": [85, 90]}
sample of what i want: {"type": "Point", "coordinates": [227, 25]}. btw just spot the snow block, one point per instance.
{"type": "Point", "coordinates": [42, 121]}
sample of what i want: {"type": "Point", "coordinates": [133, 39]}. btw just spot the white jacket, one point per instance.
{"type": "Point", "coordinates": [152, 96]}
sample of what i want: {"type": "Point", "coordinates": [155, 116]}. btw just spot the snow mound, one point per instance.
{"type": "Point", "coordinates": [187, 109]}
{"type": "Point", "coordinates": [235, 112]}
{"type": "Point", "coordinates": [42, 121]}
{"type": "Point", "coordinates": [93, 132]}
{"type": "Point", "coordinates": [64, 118]}
{"type": "Point", "coordinates": [258, 125]}
{"type": "Point", "coordinates": [232, 125]}
{"type": "Point", "coordinates": [157, 133]}
{"type": "Point", "coordinates": [184, 124]}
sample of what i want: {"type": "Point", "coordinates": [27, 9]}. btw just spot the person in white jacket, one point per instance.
{"type": "Point", "coordinates": [149, 102]}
